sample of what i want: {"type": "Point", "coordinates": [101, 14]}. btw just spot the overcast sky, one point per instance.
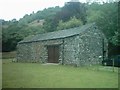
{"type": "Point", "coordinates": [10, 9]}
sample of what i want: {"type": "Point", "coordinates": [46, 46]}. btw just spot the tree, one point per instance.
{"type": "Point", "coordinates": [50, 24]}
{"type": "Point", "coordinates": [71, 9]}
{"type": "Point", "coordinates": [73, 22]}
{"type": "Point", "coordinates": [105, 15]}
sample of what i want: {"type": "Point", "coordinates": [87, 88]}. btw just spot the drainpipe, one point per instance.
{"type": "Point", "coordinates": [103, 47]}
{"type": "Point", "coordinates": [63, 53]}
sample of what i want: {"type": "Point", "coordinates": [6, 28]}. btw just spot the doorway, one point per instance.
{"type": "Point", "coordinates": [53, 54]}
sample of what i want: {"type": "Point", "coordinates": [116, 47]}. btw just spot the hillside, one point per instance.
{"type": "Point", "coordinates": [72, 14]}
{"type": "Point", "coordinates": [13, 31]}
{"type": "Point", "coordinates": [37, 23]}
{"type": "Point", "coordinates": [49, 12]}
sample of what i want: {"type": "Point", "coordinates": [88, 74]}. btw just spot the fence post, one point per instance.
{"type": "Point", "coordinates": [113, 64]}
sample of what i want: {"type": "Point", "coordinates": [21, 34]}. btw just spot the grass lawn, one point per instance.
{"type": "Point", "coordinates": [35, 75]}
{"type": "Point", "coordinates": [0, 73]}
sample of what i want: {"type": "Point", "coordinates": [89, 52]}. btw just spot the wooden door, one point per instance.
{"type": "Point", "coordinates": [53, 54]}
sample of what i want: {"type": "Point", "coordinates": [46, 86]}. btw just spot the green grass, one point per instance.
{"type": "Point", "coordinates": [35, 75]}
{"type": "Point", "coordinates": [0, 73]}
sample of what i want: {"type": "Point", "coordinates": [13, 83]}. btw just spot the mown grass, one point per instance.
{"type": "Point", "coordinates": [35, 75]}
{"type": "Point", "coordinates": [0, 73]}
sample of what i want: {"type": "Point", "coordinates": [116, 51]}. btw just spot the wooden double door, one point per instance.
{"type": "Point", "coordinates": [53, 54]}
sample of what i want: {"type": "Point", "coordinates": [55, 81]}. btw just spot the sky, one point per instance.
{"type": "Point", "coordinates": [16, 9]}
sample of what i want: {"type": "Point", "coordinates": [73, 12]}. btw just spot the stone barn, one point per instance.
{"type": "Point", "coordinates": [85, 45]}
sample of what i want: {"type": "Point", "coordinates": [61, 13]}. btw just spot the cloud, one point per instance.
{"type": "Point", "coordinates": [10, 9]}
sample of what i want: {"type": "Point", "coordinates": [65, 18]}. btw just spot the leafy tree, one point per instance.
{"type": "Point", "coordinates": [10, 37]}
{"type": "Point", "coordinates": [71, 9]}
{"type": "Point", "coordinates": [105, 15]}
{"type": "Point", "coordinates": [73, 22]}
{"type": "Point", "coordinates": [72, 14]}
{"type": "Point", "coordinates": [14, 33]}
{"type": "Point", "coordinates": [39, 15]}
{"type": "Point", "coordinates": [50, 24]}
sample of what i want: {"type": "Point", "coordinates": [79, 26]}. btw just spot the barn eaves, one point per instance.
{"type": "Point", "coordinates": [57, 34]}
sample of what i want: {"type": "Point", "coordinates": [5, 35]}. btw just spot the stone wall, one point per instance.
{"type": "Point", "coordinates": [71, 50]}
{"type": "Point", "coordinates": [31, 52]}
{"type": "Point", "coordinates": [36, 51]}
{"type": "Point", "coordinates": [85, 48]}
{"type": "Point", "coordinates": [91, 47]}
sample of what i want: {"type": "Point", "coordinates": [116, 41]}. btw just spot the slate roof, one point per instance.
{"type": "Point", "coordinates": [57, 34]}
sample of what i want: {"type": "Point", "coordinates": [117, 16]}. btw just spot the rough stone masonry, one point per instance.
{"type": "Point", "coordinates": [85, 45]}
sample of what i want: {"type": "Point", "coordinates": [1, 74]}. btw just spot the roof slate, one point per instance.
{"type": "Point", "coordinates": [57, 34]}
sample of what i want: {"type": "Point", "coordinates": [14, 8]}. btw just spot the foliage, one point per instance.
{"type": "Point", "coordinates": [73, 22]}
{"type": "Point", "coordinates": [71, 9]}
{"type": "Point", "coordinates": [72, 14]}
{"type": "Point", "coordinates": [39, 15]}
{"type": "Point", "coordinates": [14, 33]}
{"type": "Point", "coordinates": [116, 38]}
{"type": "Point", "coordinates": [105, 15]}
{"type": "Point", "coordinates": [50, 24]}
{"type": "Point", "coordinates": [10, 37]}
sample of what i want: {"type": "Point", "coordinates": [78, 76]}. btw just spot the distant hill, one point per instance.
{"type": "Point", "coordinates": [104, 15]}
{"type": "Point", "coordinates": [37, 23]}
{"type": "Point", "coordinates": [40, 15]}
{"type": "Point", "coordinates": [14, 31]}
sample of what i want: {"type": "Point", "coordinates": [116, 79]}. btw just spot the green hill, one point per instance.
{"type": "Point", "coordinates": [72, 14]}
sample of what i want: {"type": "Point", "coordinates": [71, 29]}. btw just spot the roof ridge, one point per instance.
{"type": "Point", "coordinates": [57, 34]}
